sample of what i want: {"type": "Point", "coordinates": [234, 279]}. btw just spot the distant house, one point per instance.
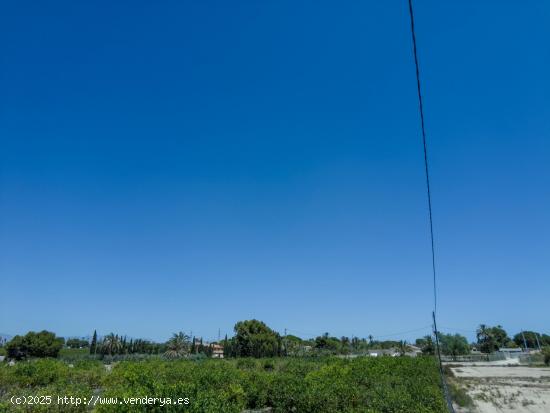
{"type": "Point", "coordinates": [413, 351]}
{"type": "Point", "coordinates": [217, 351]}
{"type": "Point", "coordinates": [383, 352]}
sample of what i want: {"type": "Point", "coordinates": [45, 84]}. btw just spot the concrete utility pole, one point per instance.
{"type": "Point", "coordinates": [524, 341]}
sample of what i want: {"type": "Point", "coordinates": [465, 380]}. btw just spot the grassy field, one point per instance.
{"type": "Point", "coordinates": [396, 385]}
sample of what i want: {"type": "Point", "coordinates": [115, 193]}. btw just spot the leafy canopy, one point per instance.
{"type": "Point", "coordinates": [32, 344]}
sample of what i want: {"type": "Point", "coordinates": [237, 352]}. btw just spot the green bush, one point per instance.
{"type": "Point", "coordinates": [42, 344]}
{"type": "Point", "coordinates": [546, 355]}
{"type": "Point", "coordinates": [324, 385]}
{"type": "Point", "coordinates": [71, 355]}
{"type": "Point", "coordinates": [48, 377]}
{"type": "Point", "coordinates": [459, 395]}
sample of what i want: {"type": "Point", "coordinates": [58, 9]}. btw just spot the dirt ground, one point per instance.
{"type": "Point", "coordinates": [504, 386]}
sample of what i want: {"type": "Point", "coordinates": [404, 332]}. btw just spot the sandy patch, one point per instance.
{"type": "Point", "coordinates": [499, 388]}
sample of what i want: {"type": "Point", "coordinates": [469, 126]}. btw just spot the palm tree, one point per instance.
{"type": "Point", "coordinates": [111, 344]}
{"type": "Point", "coordinates": [486, 339]}
{"type": "Point", "coordinates": [482, 332]}
{"type": "Point", "coordinates": [177, 346]}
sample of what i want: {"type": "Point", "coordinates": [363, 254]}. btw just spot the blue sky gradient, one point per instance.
{"type": "Point", "coordinates": [174, 166]}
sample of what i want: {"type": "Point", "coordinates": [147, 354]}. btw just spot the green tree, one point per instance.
{"type": "Point", "coordinates": [294, 345]}
{"type": "Point", "coordinates": [454, 345]}
{"type": "Point", "coordinates": [225, 347]}
{"type": "Point", "coordinates": [77, 343]}
{"type": "Point", "coordinates": [546, 354]}
{"type": "Point", "coordinates": [491, 339]}
{"type": "Point", "coordinates": [111, 345]}
{"type": "Point", "coordinates": [32, 344]}
{"type": "Point", "coordinates": [530, 338]}
{"type": "Point", "coordinates": [327, 343]}
{"type": "Point", "coordinates": [371, 339]}
{"type": "Point", "coordinates": [253, 338]}
{"type": "Point", "coordinates": [426, 344]}
{"type": "Point", "coordinates": [178, 346]}
{"type": "Point", "coordinates": [93, 344]}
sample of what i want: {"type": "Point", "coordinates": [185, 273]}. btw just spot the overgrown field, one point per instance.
{"type": "Point", "coordinates": [396, 385]}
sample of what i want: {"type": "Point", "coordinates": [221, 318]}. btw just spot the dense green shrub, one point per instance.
{"type": "Point", "coordinates": [48, 377]}
{"type": "Point", "coordinates": [71, 355]}
{"type": "Point", "coordinates": [253, 338]}
{"type": "Point", "coordinates": [77, 343]}
{"type": "Point", "coordinates": [42, 344]}
{"type": "Point", "coordinates": [546, 355]}
{"type": "Point", "coordinates": [397, 385]}
{"type": "Point", "coordinates": [326, 385]}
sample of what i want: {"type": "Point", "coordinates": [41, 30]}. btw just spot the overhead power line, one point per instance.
{"type": "Point", "coordinates": [427, 170]}
{"type": "Point", "coordinates": [426, 166]}
{"type": "Point", "coordinates": [399, 333]}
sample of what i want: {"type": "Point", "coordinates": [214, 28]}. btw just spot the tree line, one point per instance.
{"type": "Point", "coordinates": [253, 338]}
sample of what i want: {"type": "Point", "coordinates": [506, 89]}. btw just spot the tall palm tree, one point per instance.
{"type": "Point", "coordinates": [111, 344]}
{"type": "Point", "coordinates": [486, 339]}
{"type": "Point", "coordinates": [177, 346]}
{"type": "Point", "coordinates": [482, 332]}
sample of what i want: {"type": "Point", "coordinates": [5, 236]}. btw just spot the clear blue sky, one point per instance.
{"type": "Point", "coordinates": [185, 165]}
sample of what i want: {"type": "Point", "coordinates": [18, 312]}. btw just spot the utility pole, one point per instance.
{"type": "Point", "coordinates": [538, 342]}
{"type": "Point", "coordinates": [524, 341]}
{"type": "Point", "coordinates": [218, 335]}
{"type": "Point", "coordinates": [442, 374]}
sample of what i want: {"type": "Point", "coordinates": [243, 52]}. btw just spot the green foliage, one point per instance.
{"type": "Point", "coordinates": [325, 342]}
{"type": "Point", "coordinates": [111, 344]}
{"type": "Point", "coordinates": [426, 344]}
{"type": "Point", "coordinates": [313, 385]}
{"type": "Point", "coordinates": [48, 377]}
{"type": "Point", "coordinates": [93, 344]}
{"type": "Point", "coordinates": [491, 339]}
{"type": "Point", "coordinates": [32, 344]}
{"type": "Point", "coordinates": [397, 385]}
{"type": "Point", "coordinates": [72, 355]}
{"type": "Point", "coordinates": [530, 338]}
{"type": "Point", "coordinates": [115, 347]}
{"type": "Point", "coordinates": [459, 395]}
{"type": "Point", "coordinates": [254, 338]}
{"type": "Point", "coordinates": [77, 343]}
{"type": "Point", "coordinates": [178, 346]}
{"type": "Point", "coordinates": [546, 355]}
{"type": "Point", "coordinates": [454, 345]}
